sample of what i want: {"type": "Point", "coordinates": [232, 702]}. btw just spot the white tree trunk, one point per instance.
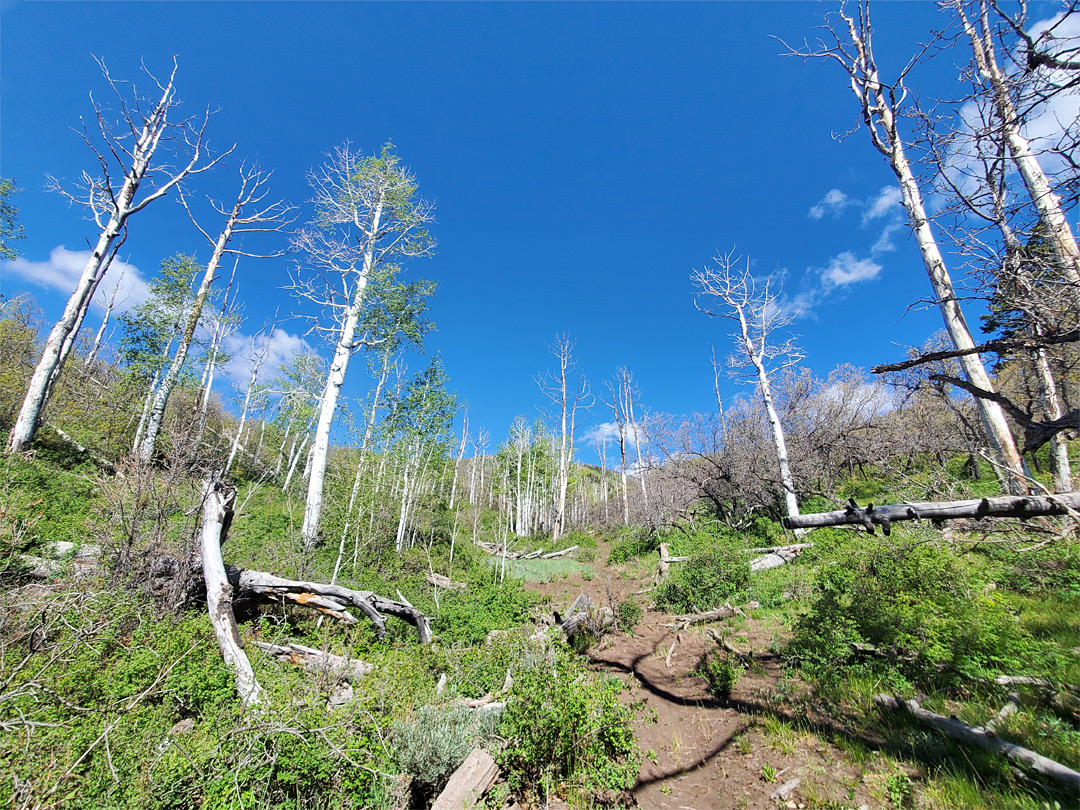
{"type": "Point", "coordinates": [53, 355]}
{"type": "Point", "coordinates": [878, 112]}
{"type": "Point", "coordinates": [219, 595]}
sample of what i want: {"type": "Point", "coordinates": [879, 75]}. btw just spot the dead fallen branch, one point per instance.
{"type": "Point", "coordinates": [335, 666]}
{"type": "Point", "coordinates": [985, 739]}
{"type": "Point", "coordinates": [469, 782]}
{"type": "Point", "coordinates": [583, 614]}
{"type": "Point", "coordinates": [333, 600]}
{"type": "Point", "coordinates": [439, 581]}
{"type": "Point", "coordinates": [217, 510]}
{"type": "Point", "coordinates": [746, 658]}
{"type": "Point", "coordinates": [725, 612]}
{"type": "Point", "coordinates": [1017, 506]}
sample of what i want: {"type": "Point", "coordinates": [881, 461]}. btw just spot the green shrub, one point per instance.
{"type": "Point", "coordinates": [564, 723]}
{"type": "Point", "coordinates": [717, 569]}
{"type": "Point", "coordinates": [436, 739]}
{"type": "Point", "coordinates": [721, 673]}
{"type": "Point", "coordinates": [919, 605]}
{"type": "Point", "coordinates": [628, 614]}
{"type": "Point", "coordinates": [633, 542]}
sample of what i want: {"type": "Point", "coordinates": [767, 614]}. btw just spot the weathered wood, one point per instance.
{"type": "Point", "coordinates": [470, 781]}
{"type": "Point", "coordinates": [1018, 506]}
{"type": "Point", "coordinates": [725, 612]}
{"type": "Point", "coordinates": [439, 581]}
{"type": "Point", "coordinates": [987, 740]}
{"type": "Point", "coordinates": [217, 508]}
{"type": "Point", "coordinates": [584, 614]}
{"type": "Point", "coordinates": [551, 555]}
{"type": "Point", "coordinates": [336, 666]}
{"type": "Point", "coordinates": [315, 594]}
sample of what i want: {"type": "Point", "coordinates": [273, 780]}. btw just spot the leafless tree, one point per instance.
{"type": "Point", "coordinates": [249, 214]}
{"type": "Point", "coordinates": [729, 290]}
{"type": "Point", "coordinates": [851, 47]}
{"type": "Point", "coordinates": [568, 397]}
{"type": "Point", "coordinates": [125, 164]}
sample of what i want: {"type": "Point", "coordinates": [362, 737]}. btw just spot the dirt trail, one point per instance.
{"type": "Point", "coordinates": [701, 752]}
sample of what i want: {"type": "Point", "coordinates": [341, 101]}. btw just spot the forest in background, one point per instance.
{"type": "Point", "coordinates": [129, 483]}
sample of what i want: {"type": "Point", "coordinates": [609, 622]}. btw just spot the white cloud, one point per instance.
{"type": "Point", "coordinates": [244, 350]}
{"type": "Point", "coordinates": [605, 432]}
{"type": "Point", "coordinates": [885, 243]}
{"type": "Point", "coordinates": [63, 269]}
{"type": "Point", "coordinates": [834, 202]}
{"type": "Point", "coordinates": [846, 269]}
{"type": "Point", "coordinates": [885, 204]}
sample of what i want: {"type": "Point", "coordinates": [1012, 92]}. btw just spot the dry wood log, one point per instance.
{"type": "Point", "coordinates": [786, 788]}
{"type": "Point", "coordinates": [1018, 506]}
{"type": "Point", "coordinates": [584, 614]}
{"type": "Point", "coordinates": [986, 740]}
{"type": "Point", "coordinates": [779, 549]}
{"type": "Point", "coordinates": [470, 781]}
{"type": "Point", "coordinates": [336, 666]}
{"type": "Point", "coordinates": [439, 581]}
{"type": "Point", "coordinates": [746, 658]}
{"type": "Point", "coordinates": [553, 554]}
{"type": "Point", "coordinates": [725, 612]}
{"type": "Point", "coordinates": [329, 599]}
{"type": "Point", "coordinates": [217, 506]}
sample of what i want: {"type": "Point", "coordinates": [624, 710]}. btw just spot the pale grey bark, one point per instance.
{"type": "Point", "coordinates": [878, 103]}
{"type": "Point", "coordinates": [216, 505]}
{"type": "Point", "coordinates": [272, 217]}
{"type": "Point", "coordinates": [111, 208]}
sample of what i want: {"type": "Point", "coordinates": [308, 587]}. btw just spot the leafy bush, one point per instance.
{"type": "Point", "coordinates": [563, 723]}
{"type": "Point", "coordinates": [436, 739]}
{"type": "Point", "coordinates": [633, 542]}
{"type": "Point", "coordinates": [628, 614]}
{"type": "Point", "coordinates": [721, 673]}
{"type": "Point", "coordinates": [918, 604]}
{"type": "Point", "coordinates": [717, 569]}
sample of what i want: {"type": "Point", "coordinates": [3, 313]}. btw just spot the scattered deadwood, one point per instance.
{"type": "Point", "coordinates": [985, 739]}
{"type": "Point", "coordinates": [335, 666]}
{"type": "Point", "coordinates": [584, 615]}
{"type": "Point", "coordinates": [469, 782]}
{"type": "Point", "coordinates": [1010, 708]}
{"type": "Point", "coordinates": [217, 510]}
{"type": "Point", "coordinates": [439, 581]}
{"type": "Point", "coordinates": [1017, 506]}
{"type": "Point", "coordinates": [746, 658]}
{"type": "Point", "coordinates": [725, 612]}
{"type": "Point", "coordinates": [671, 649]}
{"type": "Point", "coordinates": [779, 549]}
{"type": "Point", "coordinates": [333, 600]}
{"type": "Point", "coordinates": [497, 550]}
{"type": "Point", "coordinates": [786, 788]}
{"type": "Point", "coordinates": [665, 562]}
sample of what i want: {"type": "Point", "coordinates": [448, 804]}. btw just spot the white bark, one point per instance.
{"type": "Point", "coordinates": [112, 209]}
{"type": "Point", "coordinates": [1055, 224]}
{"type": "Point", "coordinates": [878, 107]}
{"type": "Point", "coordinates": [219, 595]}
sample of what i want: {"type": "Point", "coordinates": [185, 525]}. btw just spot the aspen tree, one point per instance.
{"type": "Point", "coordinates": [368, 217]}
{"type": "Point", "coordinates": [128, 153]}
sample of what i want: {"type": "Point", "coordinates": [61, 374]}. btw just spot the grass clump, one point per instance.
{"type": "Point", "coordinates": [721, 673]}
{"type": "Point", "coordinates": [432, 743]}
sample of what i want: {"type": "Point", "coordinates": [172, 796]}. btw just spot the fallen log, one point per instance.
{"type": "Point", "coordinates": [725, 612]}
{"type": "Point", "coordinates": [1017, 506]}
{"type": "Point", "coordinates": [551, 555]}
{"type": "Point", "coordinates": [583, 614]}
{"type": "Point", "coordinates": [217, 512]}
{"type": "Point", "coordinates": [469, 782]}
{"type": "Point", "coordinates": [331, 599]}
{"type": "Point", "coordinates": [336, 666]}
{"type": "Point", "coordinates": [439, 581]}
{"type": "Point", "coordinates": [987, 740]}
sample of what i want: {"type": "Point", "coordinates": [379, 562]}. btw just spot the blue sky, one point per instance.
{"type": "Point", "coordinates": [584, 158]}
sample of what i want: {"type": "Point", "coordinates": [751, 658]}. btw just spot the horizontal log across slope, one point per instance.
{"type": "Point", "coordinates": [1016, 506]}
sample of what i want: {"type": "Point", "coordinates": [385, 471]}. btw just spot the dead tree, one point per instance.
{"type": "Point", "coordinates": [1017, 506]}
{"type": "Point", "coordinates": [127, 153]}
{"type": "Point", "coordinates": [249, 214]}
{"type": "Point", "coordinates": [852, 49]}
{"type": "Point", "coordinates": [733, 293]}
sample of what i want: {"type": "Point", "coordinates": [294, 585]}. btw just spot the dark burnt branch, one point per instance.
{"type": "Point", "coordinates": [1000, 346]}
{"type": "Point", "coordinates": [1017, 506]}
{"type": "Point", "coordinates": [1036, 433]}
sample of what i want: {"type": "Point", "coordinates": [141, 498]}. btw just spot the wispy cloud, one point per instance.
{"type": "Point", "coordinates": [834, 202]}
{"type": "Point", "coordinates": [845, 269]}
{"type": "Point", "coordinates": [61, 272]}
{"type": "Point", "coordinates": [885, 204]}
{"type": "Point", "coordinates": [243, 350]}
